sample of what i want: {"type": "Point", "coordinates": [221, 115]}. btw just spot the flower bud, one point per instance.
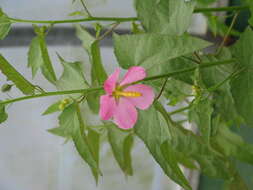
{"type": "Point", "coordinates": [6, 87]}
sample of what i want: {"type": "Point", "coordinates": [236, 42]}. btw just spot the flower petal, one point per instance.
{"type": "Point", "coordinates": [111, 82]}
{"type": "Point", "coordinates": [144, 101]}
{"type": "Point", "coordinates": [133, 74]}
{"type": "Point", "coordinates": [107, 107]}
{"type": "Point", "coordinates": [125, 115]}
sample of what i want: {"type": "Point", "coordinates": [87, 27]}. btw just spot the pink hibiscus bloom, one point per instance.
{"type": "Point", "coordinates": [122, 97]}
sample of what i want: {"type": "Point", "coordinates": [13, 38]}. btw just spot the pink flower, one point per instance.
{"type": "Point", "coordinates": [122, 97]}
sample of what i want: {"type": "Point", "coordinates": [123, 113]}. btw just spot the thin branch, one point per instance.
{"type": "Point", "coordinates": [228, 33]}
{"type": "Point", "coordinates": [108, 31]}
{"type": "Point", "coordinates": [56, 93]}
{"type": "Point", "coordinates": [85, 8]}
{"type": "Point", "coordinates": [88, 90]}
{"type": "Point", "coordinates": [120, 19]}
{"type": "Point", "coordinates": [220, 9]}
{"type": "Point", "coordinates": [190, 59]}
{"type": "Point", "coordinates": [90, 19]}
{"type": "Point", "coordinates": [197, 56]}
{"type": "Point", "coordinates": [179, 110]}
{"type": "Point", "coordinates": [203, 65]}
{"type": "Point", "coordinates": [231, 76]}
{"type": "Point", "coordinates": [162, 89]}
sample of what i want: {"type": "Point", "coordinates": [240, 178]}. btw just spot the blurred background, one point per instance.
{"type": "Point", "coordinates": [30, 157]}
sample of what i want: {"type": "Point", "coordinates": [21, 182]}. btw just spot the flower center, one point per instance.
{"type": "Point", "coordinates": [118, 92]}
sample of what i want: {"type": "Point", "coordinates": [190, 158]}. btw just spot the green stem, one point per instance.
{"type": "Point", "coordinates": [89, 19]}
{"type": "Point", "coordinates": [227, 34]}
{"type": "Point", "coordinates": [220, 9]}
{"type": "Point", "coordinates": [85, 91]}
{"type": "Point", "coordinates": [120, 19]}
{"type": "Point", "coordinates": [56, 93]}
{"type": "Point", "coordinates": [203, 65]}
{"type": "Point", "coordinates": [85, 8]}
{"type": "Point", "coordinates": [179, 110]}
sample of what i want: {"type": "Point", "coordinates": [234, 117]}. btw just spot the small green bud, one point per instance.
{"type": "Point", "coordinates": [62, 106]}
{"type": "Point", "coordinates": [196, 90]}
{"type": "Point", "coordinates": [6, 87]}
{"type": "Point", "coordinates": [65, 101]}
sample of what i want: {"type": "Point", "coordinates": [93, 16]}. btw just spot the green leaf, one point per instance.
{"type": "Point", "coordinates": [222, 97]}
{"type": "Point", "coordinates": [250, 4]}
{"type": "Point", "coordinates": [236, 183]}
{"type": "Point", "coordinates": [231, 144]}
{"type": "Point", "coordinates": [98, 74]}
{"type": "Point", "coordinates": [171, 158]}
{"type": "Point", "coordinates": [98, 71]}
{"type": "Point", "coordinates": [165, 16]}
{"type": "Point", "coordinates": [121, 143]}
{"type": "Point", "coordinates": [193, 147]}
{"type": "Point", "coordinates": [38, 56]}
{"type": "Point", "coordinates": [72, 126]}
{"type": "Point", "coordinates": [5, 25]}
{"type": "Point", "coordinates": [184, 160]}
{"type": "Point", "coordinates": [68, 122]}
{"type": "Point", "coordinates": [35, 60]}
{"type": "Point", "coordinates": [52, 108]}
{"type": "Point", "coordinates": [153, 51]}
{"type": "Point", "coordinates": [201, 113]}
{"type": "Point", "coordinates": [86, 38]}
{"type": "Point", "coordinates": [92, 47]}
{"type": "Point", "coordinates": [13, 75]}
{"type": "Point", "coordinates": [47, 68]}
{"type": "Point", "coordinates": [242, 85]}
{"type": "Point", "coordinates": [154, 132]}
{"type": "Point", "coordinates": [72, 77]}
{"type": "Point", "coordinates": [93, 138]}
{"type": "Point", "coordinates": [3, 114]}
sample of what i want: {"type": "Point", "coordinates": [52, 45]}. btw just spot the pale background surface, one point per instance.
{"type": "Point", "coordinates": [30, 157]}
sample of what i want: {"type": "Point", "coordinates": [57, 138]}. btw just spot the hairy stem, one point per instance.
{"type": "Point", "coordinates": [88, 90]}
{"type": "Point", "coordinates": [120, 19]}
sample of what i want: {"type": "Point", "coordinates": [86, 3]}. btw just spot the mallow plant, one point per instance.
{"type": "Point", "coordinates": [165, 67]}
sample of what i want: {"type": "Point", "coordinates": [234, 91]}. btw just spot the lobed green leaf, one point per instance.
{"type": "Point", "coordinates": [201, 114]}
{"type": "Point", "coordinates": [5, 25]}
{"type": "Point", "coordinates": [98, 74]}
{"type": "Point", "coordinates": [38, 57]}
{"type": "Point", "coordinates": [153, 51]}
{"type": "Point", "coordinates": [121, 143]}
{"type": "Point", "coordinates": [52, 108]}
{"type": "Point", "coordinates": [72, 77]}
{"type": "Point", "coordinates": [72, 126]}
{"type": "Point", "coordinates": [242, 85]}
{"type": "Point", "coordinates": [165, 16]}
{"type": "Point", "coordinates": [154, 132]}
